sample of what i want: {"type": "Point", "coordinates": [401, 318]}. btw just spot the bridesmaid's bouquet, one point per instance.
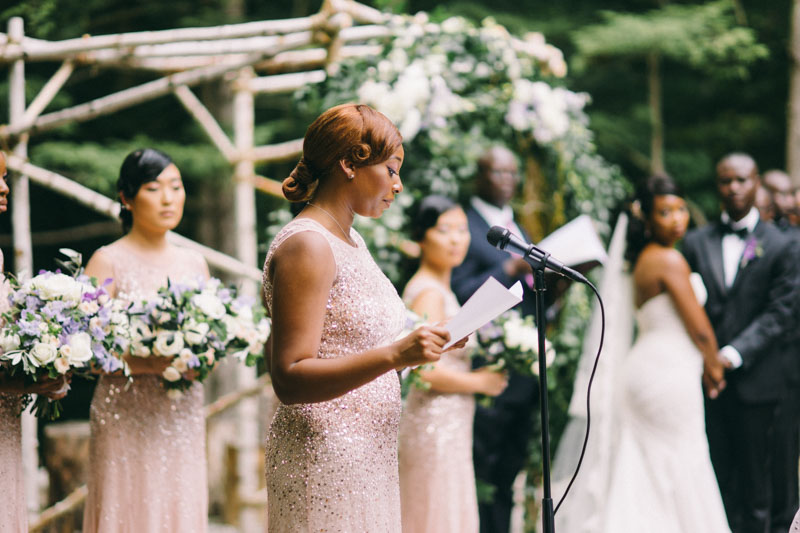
{"type": "Point", "coordinates": [196, 324]}
{"type": "Point", "coordinates": [58, 325]}
{"type": "Point", "coordinates": [511, 342]}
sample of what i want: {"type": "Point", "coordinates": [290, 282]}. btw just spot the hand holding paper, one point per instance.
{"type": "Point", "coordinates": [490, 300]}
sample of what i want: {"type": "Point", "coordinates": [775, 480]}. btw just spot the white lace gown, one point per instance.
{"type": "Point", "coordinates": [661, 480]}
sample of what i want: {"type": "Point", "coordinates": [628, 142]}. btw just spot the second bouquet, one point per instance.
{"type": "Point", "coordinates": [195, 325]}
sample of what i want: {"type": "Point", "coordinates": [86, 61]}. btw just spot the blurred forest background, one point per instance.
{"type": "Point", "coordinates": [623, 53]}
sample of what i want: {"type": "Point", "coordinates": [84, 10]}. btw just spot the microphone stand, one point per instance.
{"type": "Point", "coordinates": [548, 516]}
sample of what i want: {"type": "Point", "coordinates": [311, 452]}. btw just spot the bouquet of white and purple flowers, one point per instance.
{"type": "Point", "coordinates": [511, 342]}
{"type": "Point", "coordinates": [195, 324]}
{"type": "Point", "coordinates": [61, 324]}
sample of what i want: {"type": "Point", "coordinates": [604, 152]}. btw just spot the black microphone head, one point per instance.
{"type": "Point", "coordinates": [498, 236]}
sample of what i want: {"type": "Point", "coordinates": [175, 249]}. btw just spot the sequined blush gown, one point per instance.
{"type": "Point", "coordinates": [147, 462]}
{"type": "Point", "coordinates": [332, 466]}
{"type": "Point", "coordinates": [437, 479]}
{"type": "Point", "coordinates": [13, 514]}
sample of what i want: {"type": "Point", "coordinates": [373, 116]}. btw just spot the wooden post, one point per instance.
{"type": "Point", "coordinates": [23, 248]}
{"type": "Point", "coordinates": [247, 252]}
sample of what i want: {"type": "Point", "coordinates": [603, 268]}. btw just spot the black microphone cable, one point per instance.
{"type": "Point", "coordinates": [588, 395]}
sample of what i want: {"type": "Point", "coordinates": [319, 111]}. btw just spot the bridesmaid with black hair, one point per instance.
{"type": "Point", "coordinates": [437, 488]}
{"type": "Point", "coordinates": [147, 464]}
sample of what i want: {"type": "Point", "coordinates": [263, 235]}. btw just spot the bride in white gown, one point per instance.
{"type": "Point", "coordinates": [647, 468]}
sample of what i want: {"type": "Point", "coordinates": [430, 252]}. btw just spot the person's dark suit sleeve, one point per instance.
{"type": "Point", "coordinates": [778, 316]}
{"type": "Point", "coordinates": [472, 273]}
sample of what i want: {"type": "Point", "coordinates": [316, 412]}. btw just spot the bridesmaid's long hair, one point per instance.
{"type": "Point", "coordinates": [353, 132]}
{"type": "Point", "coordinates": [641, 209]}
{"type": "Point", "coordinates": [139, 167]}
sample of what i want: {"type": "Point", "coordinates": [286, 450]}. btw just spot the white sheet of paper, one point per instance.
{"type": "Point", "coordinates": [490, 300]}
{"type": "Point", "coordinates": [575, 242]}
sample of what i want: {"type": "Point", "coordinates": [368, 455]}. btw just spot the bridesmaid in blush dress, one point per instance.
{"type": "Point", "coordinates": [147, 462]}
{"type": "Point", "coordinates": [331, 451]}
{"type": "Point", "coordinates": [13, 511]}
{"type": "Point", "coordinates": [437, 488]}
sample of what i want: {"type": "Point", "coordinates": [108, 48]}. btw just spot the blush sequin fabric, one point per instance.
{"type": "Point", "coordinates": [332, 466]}
{"type": "Point", "coordinates": [13, 514]}
{"type": "Point", "coordinates": [147, 469]}
{"type": "Point", "coordinates": [437, 479]}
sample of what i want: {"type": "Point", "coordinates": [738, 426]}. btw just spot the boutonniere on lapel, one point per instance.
{"type": "Point", "coordinates": [752, 251]}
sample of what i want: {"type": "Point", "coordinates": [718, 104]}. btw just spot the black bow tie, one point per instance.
{"type": "Point", "coordinates": [742, 233]}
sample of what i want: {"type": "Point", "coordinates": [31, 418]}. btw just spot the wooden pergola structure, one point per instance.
{"type": "Point", "coordinates": [264, 57]}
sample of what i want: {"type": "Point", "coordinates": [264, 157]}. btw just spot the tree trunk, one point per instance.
{"type": "Point", "coordinates": [656, 119]}
{"type": "Point", "coordinates": [793, 127]}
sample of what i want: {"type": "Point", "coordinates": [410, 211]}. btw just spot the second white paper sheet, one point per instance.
{"type": "Point", "coordinates": [489, 301]}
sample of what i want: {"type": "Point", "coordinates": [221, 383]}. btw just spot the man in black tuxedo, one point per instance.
{"type": "Point", "coordinates": [750, 269]}
{"type": "Point", "coordinates": [785, 496]}
{"type": "Point", "coordinates": [502, 431]}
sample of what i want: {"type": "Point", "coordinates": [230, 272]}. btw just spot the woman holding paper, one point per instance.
{"type": "Point", "coordinates": [331, 451]}
{"type": "Point", "coordinates": [437, 488]}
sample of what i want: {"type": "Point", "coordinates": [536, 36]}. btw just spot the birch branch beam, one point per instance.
{"type": "Point", "coordinates": [209, 124]}
{"type": "Point", "coordinates": [48, 92]}
{"type": "Point", "coordinates": [285, 151]}
{"type": "Point", "coordinates": [127, 97]}
{"type": "Point", "coordinates": [37, 49]}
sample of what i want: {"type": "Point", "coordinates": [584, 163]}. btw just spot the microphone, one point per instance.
{"type": "Point", "coordinates": [502, 239]}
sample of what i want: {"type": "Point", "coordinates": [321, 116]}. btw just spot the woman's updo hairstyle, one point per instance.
{"type": "Point", "coordinates": [641, 209]}
{"type": "Point", "coordinates": [426, 213]}
{"type": "Point", "coordinates": [354, 132]}
{"type": "Point", "coordinates": [140, 167]}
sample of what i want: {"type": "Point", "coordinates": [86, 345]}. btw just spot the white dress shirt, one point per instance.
{"type": "Point", "coordinates": [732, 249]}
{"type": "Point", "coordinates": [496, 216]}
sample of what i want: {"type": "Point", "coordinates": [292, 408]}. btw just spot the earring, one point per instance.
{"type": "Point", "coordinates": [351, 175]}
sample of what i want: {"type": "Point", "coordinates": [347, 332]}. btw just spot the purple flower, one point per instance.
{"type": "Point", "coordinates": [194, 362]}
{"type": "Point", "coordinates": [225, 296]}
{"type": "Point", "coordinates": [752, 250]}
{"type": "Point", "coordinates": [29, 327]}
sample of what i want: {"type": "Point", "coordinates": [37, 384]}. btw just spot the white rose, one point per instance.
{"type": "Point", "coordinates": [58, 286]}
{"type": "Point", "coordinates": [95, 322]}
{"type": "Point", "coordinates": [186, 355]}
{"type": "Point", "coordinates": [230, 327]}
{"type": "Point", "coordinates": [80, 348]}
{"type": "Point", "coordinates": [42, 353]}
{"type": "Point", "coordinates": [65, 351]}
{"type": "Point", "coordinates": [168, 343]}
{"type": "Point", "coordinates": [174, 394]}
{"type": "Point", "coordinates": [195, 332]}
{"type": "Point", "coordinates": [209, 304]}
{"type": "Point", "coordinates": [140, 330]}
{"type": "Point", "coordinates": [88, 308]}
{"type": "Point", "coordinates": [9, 342]}
{"type": "Point", "coordinates": [61, 364]}
{"type": "Point", "coordinates": [171, 374]}
{"type": "Point", "coordinates": [180, 365]}
{"type": "Point", "coordinates": [119, 319]}
{"type": "Point", "coordinates": [140, 350]}
{"type": "Point", "coordinates": [102, 299]}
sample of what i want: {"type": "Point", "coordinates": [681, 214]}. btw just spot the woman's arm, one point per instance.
{"type": "Point", "coordinates": [430, 304]}
{"type": "Point", "coordinates": [302, 274]}
{"type": "Point", "coordinates": [674, 274]}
